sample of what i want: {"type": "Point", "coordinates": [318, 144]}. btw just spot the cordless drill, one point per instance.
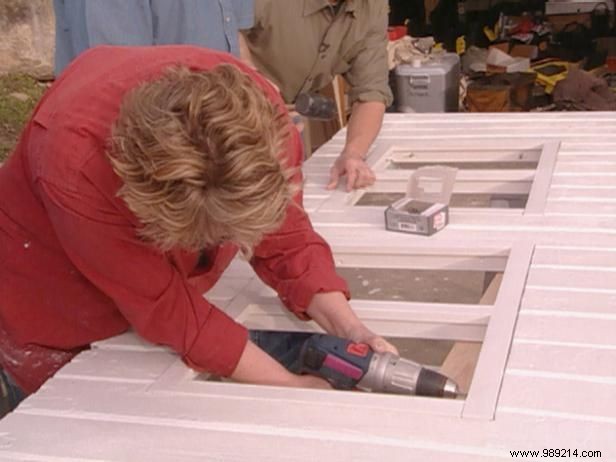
{"type": "Point", "coordinates": [347, 365]}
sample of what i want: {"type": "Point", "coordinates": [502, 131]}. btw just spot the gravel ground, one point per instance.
{"type": "Point", "coordinates": [18, 96]}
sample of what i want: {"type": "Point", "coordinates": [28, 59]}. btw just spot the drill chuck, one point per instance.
{"type": "Point", "coordinates": [390, 374]}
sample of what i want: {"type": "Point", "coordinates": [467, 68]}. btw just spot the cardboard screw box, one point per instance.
{"type": "Point", "coordinates": [425, 209]}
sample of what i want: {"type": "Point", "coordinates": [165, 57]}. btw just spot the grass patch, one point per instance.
{"type": "Point", "coordinates": [18, 95]}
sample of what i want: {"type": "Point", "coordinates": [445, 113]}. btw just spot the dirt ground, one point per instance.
{"type": "Point", "coordinates": [18, 96]}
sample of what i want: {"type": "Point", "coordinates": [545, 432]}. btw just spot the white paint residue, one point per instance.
{"type": "Point", "coordinates": [365, 283]}
{"type": "Point", "coordinates": [374, 291]}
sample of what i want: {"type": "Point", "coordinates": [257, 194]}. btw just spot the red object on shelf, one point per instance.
{"type": "Point", "coordinates": [610, 63]}
{"type": "Point", "coordinates": [524, 26]}
{"type": "Point", "coordinates": [396, 32]}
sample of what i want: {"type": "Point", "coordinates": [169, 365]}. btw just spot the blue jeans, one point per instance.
{"type": "Point", "coordinates": [284, 347]}
{"type": "Point", "coordinates": [10, 394]}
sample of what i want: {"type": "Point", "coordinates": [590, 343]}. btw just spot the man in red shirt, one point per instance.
{"type": "Point", "coordinates": [140, 174]}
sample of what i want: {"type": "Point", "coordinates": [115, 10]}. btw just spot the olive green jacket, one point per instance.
{"type": "Point", "coordinates": [302, 44]}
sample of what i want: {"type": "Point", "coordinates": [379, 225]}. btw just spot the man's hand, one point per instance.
{"type": "Point", "coordinates": [333, 313]}
{"type": "Point", "coordinates": [358, 173]}
{"type": "Point", "coordinates": [364, 125]}
{"type": "Point", "coordinates": [364, 335]}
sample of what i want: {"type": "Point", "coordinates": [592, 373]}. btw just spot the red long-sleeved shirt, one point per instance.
{"type": "Point", "coordinates": [73, 270]}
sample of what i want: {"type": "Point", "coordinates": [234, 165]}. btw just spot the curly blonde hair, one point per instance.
{"type": "Point", "coordinates": [199, 155]}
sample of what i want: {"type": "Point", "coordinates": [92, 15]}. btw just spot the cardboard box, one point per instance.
{"type": "Point", "coordinates": [499, 61]}
{"type": "Point", "coordinates": [560, 21]}
{"type": "Point", "coordinates": [425, 209]}
{"type": "Point", "coordinates": [408, 215]}
{"type": "Point", "coordinates": [518, 50]}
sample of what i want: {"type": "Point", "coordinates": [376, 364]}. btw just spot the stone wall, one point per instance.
{"type": "Point", "coordinates": [27, 37]}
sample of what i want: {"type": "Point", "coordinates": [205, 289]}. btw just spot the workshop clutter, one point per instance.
{"type": "Point", "coordinates": [507, 92]}
{"type": "Point", "coordinates": [581, 91]}
{"type": "Point", "coordinates": [514, 56]}
{"type": "Point", "coordinates": [499, 61]}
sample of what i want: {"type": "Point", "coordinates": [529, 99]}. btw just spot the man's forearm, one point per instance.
{"type": "Point", "coordinates": [245, 55]}
{"type": "Point", "coordinates": [332, 312]}
{"type": "Point", "coordinates": [363, 128]}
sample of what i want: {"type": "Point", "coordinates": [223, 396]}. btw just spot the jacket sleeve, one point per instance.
{"type": "Point", "coordinates": [295, 261]}
{"type": "Point", "coordinates": [147, 287]}
{"type": "Point", "coordinates": [368, 75]}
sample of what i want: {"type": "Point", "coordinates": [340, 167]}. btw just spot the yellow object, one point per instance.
{"type": "Point", "coordinates": [461, 45]}
{"type": "Point", "coordinates": [550, 72]}
{"type": "Point", "coordinates": [489, 33]}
